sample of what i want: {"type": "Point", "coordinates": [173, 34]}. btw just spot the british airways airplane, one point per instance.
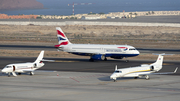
{"type": "Point", "coordinates": [95, 51]}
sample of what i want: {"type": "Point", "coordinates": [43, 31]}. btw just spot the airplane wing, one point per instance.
{"type": "Point", "coordinates": [160, 73]}
{"type": "Point", "coordinates": [28, 70]}
{"type": "Point", "coordinates": [48, 60]}
{"type": "Point", "coordinates": [165, 72]}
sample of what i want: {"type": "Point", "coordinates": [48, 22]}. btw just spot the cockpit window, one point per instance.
{"type": "Point", "coordinates": [118, 71]}
{"type": "Point", "coordinates": [132, 49]}
{"type": "Point", "coordinates": [8, 66]}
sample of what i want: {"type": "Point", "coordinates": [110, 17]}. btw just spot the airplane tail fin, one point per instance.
{"type": "Point", "coordinates": [115, 67]}
{"type": "Point", "coordinates": [159, 61]}
{"type": "Point", "coordinates": [62, 39]}
{"type": "Point", "coordinates": [40, 57]}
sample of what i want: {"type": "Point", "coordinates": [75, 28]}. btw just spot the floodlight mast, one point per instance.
{"type": "Point", "coordinates": [78, 4]}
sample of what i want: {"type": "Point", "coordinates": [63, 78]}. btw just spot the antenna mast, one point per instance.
{"type": "Point", "coordinates": [78, 4]}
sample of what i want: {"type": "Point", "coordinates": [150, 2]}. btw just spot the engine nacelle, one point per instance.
{"type": "Point", "coordinates": [35, 65]}
{"type": "Point", "coordinates": [154, 68]}
{"type": "Point", "coordinates": [97, 57]}
{"type": "Point", "coordinates": [117, 57]}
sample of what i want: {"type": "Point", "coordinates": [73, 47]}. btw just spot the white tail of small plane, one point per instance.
{"type": "Point", "coordinates": [159, 62]}
{"type": "Point", "coordinates": [62, 39]}
{"type": "Point", "coordinates": [40, 57]}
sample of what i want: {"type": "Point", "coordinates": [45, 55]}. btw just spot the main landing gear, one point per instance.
{"type": "Point", "coordinates": [91, 60]}
{"type": "Point", "coordinates": [102, 58]}
{"type": "Point", "coordinates": [31, 73]}
{"type": "Point", "coordinates": [9, 74]}
{"type": "Point", "coordinates": [147, 77]}
{"type": "Point", "coordinates": [115, 81]}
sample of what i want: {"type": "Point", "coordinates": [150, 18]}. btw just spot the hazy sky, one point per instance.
{"type": "Point", "coordinates": [60, 7]}
{"type": "Point", "coordinates": [140, 5]}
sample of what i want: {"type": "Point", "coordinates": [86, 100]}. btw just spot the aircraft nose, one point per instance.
{"type": "Point", "coordinates": [3, 70]}
{"type": "Point", "coordinates": [113, 76]}
{"type": "Point", "coordinates": [137, 52]}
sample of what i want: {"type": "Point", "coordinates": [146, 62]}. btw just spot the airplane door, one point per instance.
{"type": "Point", "coordinates": [14, 68]}
{"type": "Point", "coordinates": [102, 51]}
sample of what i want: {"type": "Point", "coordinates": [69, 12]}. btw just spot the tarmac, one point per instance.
{"type": "Point", "coordinates": [83, 86]}
{"type": "Point", "coordinates": [81, 80]}
{"type": "Point", "coordinates": [51, 48]}
{"type": "Point", "coordinates": [140, 19]}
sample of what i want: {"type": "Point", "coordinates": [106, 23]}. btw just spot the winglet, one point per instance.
{"type": "Point", "coordinates": [176, 70]}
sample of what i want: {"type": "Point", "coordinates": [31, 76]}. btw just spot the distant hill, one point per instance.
{"type": "Point", "coordinates": [20, 4]}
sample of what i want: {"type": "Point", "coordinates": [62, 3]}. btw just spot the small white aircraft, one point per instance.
{"type": "Point", "coordinates": [24, 67]}
{"type": "Point", "coordinates": [95, 51]}
{"type": "Point", "coordinates": [141, 71]}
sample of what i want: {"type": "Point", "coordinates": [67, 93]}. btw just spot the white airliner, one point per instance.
{"type": "Point", "coordinates": [141, 71]}
{"type": "Point", "coordinates": [96, 52]}
{"type": "Point", "coordinates": [24, 67]}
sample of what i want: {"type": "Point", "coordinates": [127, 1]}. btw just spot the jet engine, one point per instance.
{"type": "Point", "coordinates": [35, 65]}
{"type": "Point", "coordinates": [96, 57]}
{"type": "Point", "coordinates": [152, 68]}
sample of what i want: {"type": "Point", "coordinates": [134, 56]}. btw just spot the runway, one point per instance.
{"type": "Point", "coordinates": [36, 47]}
{"type": "Point", "coordinates": [77, 79]}
{"type": "Point", "coordinates": [83, 65]}
{"type": "Point", "coordinates": [80, 86]}
{"type": "Point", "coordinates": [139, 19]}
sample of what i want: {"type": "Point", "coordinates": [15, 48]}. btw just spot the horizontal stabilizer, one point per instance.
{"type": "Point", "coordinates": [29, 70]}
{"type": "Point", "coordinates": [47, 60]}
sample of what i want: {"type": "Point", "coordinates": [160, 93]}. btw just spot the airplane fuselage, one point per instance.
{"type": "Point", "coordinates": [95, 51]}
{"type": "Point", "coordinates": [141, 71]}
{"type": "Point", "coordinates": [114, 51]}
{"type": "Point", "coordinates": [132, 71]}
{"type": "Point", "coordinates": [22, 67]}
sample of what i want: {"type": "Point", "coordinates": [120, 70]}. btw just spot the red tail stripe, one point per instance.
{"type": "Point", "coordinates": [63, 43]}
{"type": "Point", "coordinates": [60, 33]}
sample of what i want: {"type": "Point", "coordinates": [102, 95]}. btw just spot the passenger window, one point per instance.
{"type": "Point", "coordinates": [8, 67]}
